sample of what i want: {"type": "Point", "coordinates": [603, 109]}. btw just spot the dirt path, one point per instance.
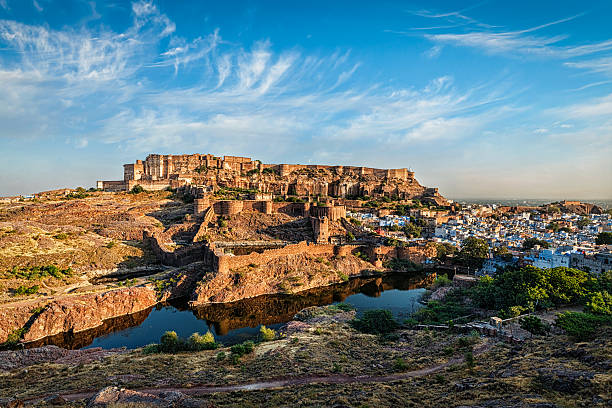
{"type": "Point", "coordinates": [287, 382]}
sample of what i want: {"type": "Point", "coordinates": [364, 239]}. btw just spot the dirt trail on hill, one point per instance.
{"type": "Point", "coordinates": [199, 390]}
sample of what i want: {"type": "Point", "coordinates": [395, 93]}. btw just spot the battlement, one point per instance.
{"type": "Point", "coordinates": [157, 172]}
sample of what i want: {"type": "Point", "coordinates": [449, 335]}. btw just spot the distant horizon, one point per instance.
{"type": "Point", "coordinates": [495, 98]}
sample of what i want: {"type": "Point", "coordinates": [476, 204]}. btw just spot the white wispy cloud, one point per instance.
{"type": "Point", "coordinates": [599, 65]}
{"type": "Point", "coordinates": [37, 6]}
{"type": "Point", "coordinates": [517, 43]}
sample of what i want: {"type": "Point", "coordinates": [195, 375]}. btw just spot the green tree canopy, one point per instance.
{"type": "Point", "coordinates": [529, 243]}
{"type": "Point", "coordinates": [604, 238]}
{"type": "Point", "coordinates": [473, 252]}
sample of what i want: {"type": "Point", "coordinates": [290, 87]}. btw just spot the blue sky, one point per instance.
{"type": "Point", "coordinates": [490, 99]}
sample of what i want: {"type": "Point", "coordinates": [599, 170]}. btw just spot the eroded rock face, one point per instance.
{"type": "Point", "coordinates": [286, 274]}
{"type": "Point", "coordinates": [78, 313]}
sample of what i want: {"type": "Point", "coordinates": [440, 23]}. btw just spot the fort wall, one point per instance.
{"type": "Point", "coordinates": [225, 263]}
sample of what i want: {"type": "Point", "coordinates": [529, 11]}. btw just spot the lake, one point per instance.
{"type": "Point", "coordinates": [238, 321]}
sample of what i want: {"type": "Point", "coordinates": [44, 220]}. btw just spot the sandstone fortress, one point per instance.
{"type": "Point", "coordinates": [159, 172]}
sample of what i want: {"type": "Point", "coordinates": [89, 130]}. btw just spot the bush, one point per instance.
{"type": "Point", "coordinates": [513, 311]}
{"type": "Point", "coordinates": [199, 342]}
{"type": "Point", "coordinates": [137, 189]}
{"type": "Point", "coordinates": [151, 349]}
{"type": "Point", "coordinates": [343, 276]}
{"type": "Point", "coordinates": [442, 280]}
{"type": "Point", "coordinates": [350, 237]}
{"type": "Point", "coordinates": [61, 235]}
{"type": "Point", "coordinates": [604, 238]}
{"type": "Point", "coordinates": [534, 325]}
{"type": "Point", "coordinates": [24, 290]}
{"type": "Point", "coordinates": [581, 326]}
{"type": "Point", "coordinates": [375, 322]}
{"type": "Point", "coordinates": [345, 307]}
{"type": "Point", "coordinates": [400, 364]}
{"type": "Point", "coordinates": [169, 342]}
{"type": "Point", "coordinates": [267, 334]}
{"type": "Point", "coordinates": [38, 272]}
{"type": "Point", "coordinates": [469, 359]}
{"type": "Point", "coordinates": [241, 349]}
{"type": "Point", "coordinates": [600, 303]}
{"type": "Point", "coordinates": [220, 356]}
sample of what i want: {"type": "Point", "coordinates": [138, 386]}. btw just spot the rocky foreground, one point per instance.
{"type": "Point", "coordinates": [311, 365]}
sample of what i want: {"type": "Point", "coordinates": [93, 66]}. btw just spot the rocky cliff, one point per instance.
{"type": "Point", "coordinates": [286, 274]}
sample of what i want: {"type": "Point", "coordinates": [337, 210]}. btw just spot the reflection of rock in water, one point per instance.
{"type": "Point", "coordinates": [266, 309]}
{"type": "Point", "coordinates": [82, 339]}
{"type": "Point", "coordinates": [272, 309]}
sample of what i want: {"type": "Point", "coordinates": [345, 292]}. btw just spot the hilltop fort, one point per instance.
{"type": "Point", "coordinates": [159, 172]}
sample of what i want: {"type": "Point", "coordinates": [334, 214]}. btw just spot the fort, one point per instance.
{"type": "Point", "coordinates": [160, 172]}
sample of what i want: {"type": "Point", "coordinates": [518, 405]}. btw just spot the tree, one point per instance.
{"type": "Point", "coordinates": [604, 238]}
{"type": "Point", "coordinates": [473, 252]}
{"type": "Point", "coordinates": [503, 253]}
{"type": "Point", "coordinates": [554, 226]}
{"type": "Point", "coordinates": [412, 231]}
{"type": "Point", "coordinates": [583, 222]}
{"type": "Point", "coordinates": [443, 251]}
{"type": "Point", "coordinates": [137, 189]}
{"type": "Point", "coordinates": [529, 243]}
{"type": "Point", "coordinates": [600, 303]}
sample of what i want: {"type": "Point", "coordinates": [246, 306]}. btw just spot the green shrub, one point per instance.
{"type": "Point", "coordinates": [375, 322]}
{"type": "Point", "coordinates": [343, 276]}
{"type": "Point", "coordinates": [24, 290]}
{"type": "Point", "coordinates": [110, 244]}
{"type": "Point", "coordinates": [513, 311]}
{"type": "Point", "coordinates": [400, 364]}
{"type": "Point", "coordinates": [442, 280]}
{"type": "Point", "coordinates": [440, 379]}
{"type": "Point", "coordinates": [169, 342]}
{"type": "Point", "coordinates": [345, 307]}
{"type": "Point", "coordinates": [581, 326]}
{"type": "Point", "coordinates": [38, 272]}
{"type": "Point", "coordinates": [220, 356]}
{"type": "Point", "coordinates": [600, 303]}
{"type": "Point", "coordinates": [534, 325]}
{"type": "Point", "coordinates": [137, 189]}
{"type": "Point", "coordinates": [350, 237]}
{"type": "Point", "coordinates": [151, 349]}
{"type": "Point", "coordinates": [199, 342]}
{"type": "Point", "coordinates": [469, 359]}
{"type": "Point", "coordinates": [267, 334]}
{"type": "Point", "coordinates": [241, 349]}
{"type": "Point", "coordinates": [61, 235]}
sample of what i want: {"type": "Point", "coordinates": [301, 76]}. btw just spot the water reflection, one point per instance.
{"type": "Point", "coordinates": [237, 321]}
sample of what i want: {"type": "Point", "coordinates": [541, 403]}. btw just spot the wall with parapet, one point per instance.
{"type": "Point", "coordinates": [198, 252]}
{"type": "Point", "coordinates": [225, 263]}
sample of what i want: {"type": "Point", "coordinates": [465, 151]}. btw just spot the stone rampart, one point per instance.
{"type": "Point", "coordinates": [198, 252]}
{"type": "Point", "coordinates": [225, 263]}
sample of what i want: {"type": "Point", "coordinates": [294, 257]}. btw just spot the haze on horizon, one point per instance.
{"type": "Point", "coordinates": [492, 100]}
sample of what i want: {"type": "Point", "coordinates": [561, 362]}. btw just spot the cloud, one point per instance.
{"type": "Point", "coordinates": [434, 51]}
{"type": "Point", "coordinates": [516, 43]}
{"type": "Point", "coordinates": [600, 65]}
{"type": "Point", "coordinates": [37, 6]}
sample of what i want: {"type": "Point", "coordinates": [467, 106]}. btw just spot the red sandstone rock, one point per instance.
{"type": "Point", "coordinates": [84, 312]}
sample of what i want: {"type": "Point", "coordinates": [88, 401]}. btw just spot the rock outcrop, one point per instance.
{"type": "Point", "coordinates": [286, 274]}
{"type": "Point", "coordinates": [114, 396]}
{"type": "Point", "coordinates": [78, 313]}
